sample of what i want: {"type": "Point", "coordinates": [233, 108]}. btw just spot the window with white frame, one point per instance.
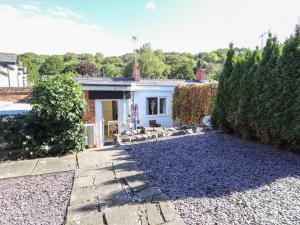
{"type": "Point", "coordinates": [156, 105]}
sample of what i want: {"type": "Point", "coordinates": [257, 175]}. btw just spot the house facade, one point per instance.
{"type": "Point", "coordinates": [12, 72]}
{"type": "Point", "coordinates": [119, 104]}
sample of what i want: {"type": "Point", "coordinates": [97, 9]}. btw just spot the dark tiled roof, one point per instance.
{"type": "Point", "coordinates": [8, 57]}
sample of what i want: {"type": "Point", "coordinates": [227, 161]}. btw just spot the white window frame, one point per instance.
{"type": "Point", "coordinates": [158, 106]}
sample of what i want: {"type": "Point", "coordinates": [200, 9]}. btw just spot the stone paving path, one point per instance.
{"type": "Point", "coordinates": [108, 189]}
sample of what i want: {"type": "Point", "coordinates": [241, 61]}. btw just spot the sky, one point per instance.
{"type": "Point", "coordinates": [107, 26]}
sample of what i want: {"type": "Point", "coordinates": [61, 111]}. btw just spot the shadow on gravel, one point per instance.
{"type": "Point", "coordinates": [212, 178]}
{"type": "Point", "coordinates": [211, 165]}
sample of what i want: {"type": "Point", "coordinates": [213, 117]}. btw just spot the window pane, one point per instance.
{"type": "Point", "coordinates": [152, 106]}
{"type": "Point", "coordinates": [162, 106]}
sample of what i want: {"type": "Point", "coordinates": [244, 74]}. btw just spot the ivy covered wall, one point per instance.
{"type": "Point", "coordinates": [192, 102]}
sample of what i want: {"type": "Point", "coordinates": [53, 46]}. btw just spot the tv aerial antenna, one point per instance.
{"type": "Point", "coordinates": [262, 39]}
{"type": "Point", "coordinates": [135, 41]}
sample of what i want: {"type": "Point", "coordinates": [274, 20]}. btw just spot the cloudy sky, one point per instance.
{"type": "Point", "coordinates": [57, 27]}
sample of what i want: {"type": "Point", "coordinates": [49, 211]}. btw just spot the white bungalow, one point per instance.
{"type": "Point", "coordinates": [118, 104]}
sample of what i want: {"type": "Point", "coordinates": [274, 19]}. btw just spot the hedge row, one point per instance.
{"type": "Point", "coordinates": [191, 103]}
{"type": "Point", "coordinates": [258, 96]}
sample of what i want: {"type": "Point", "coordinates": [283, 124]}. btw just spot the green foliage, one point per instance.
{"type": "Point", "coordinates": [71, 57]}
{"type": "Point", "coordinates": [220, 111]}
{"type": "Point", "coordinates": [54, 126]}
{"type": "Point", "coordinates": [213, 62]}
{"type": "Point", "coordinates": [113, 66]}
{"type": "Point", "coordinates": [71, 67]}
{"type": "Point", "coordinates": [33, 74]}
{"type": "Point", "coordinates": [152, 63]}
{"type": "Point", "coordinates": [191, 103]}
{"type": "Point", "coordinates": [9, 129]}
{"type": "Point", "coordinates": [259, 93]}
{"type": "Point", "coordinates": [53, 65]}
{"type": "Point", "coordinates": [181, 66]}
{"type": "Point", "coordinates": [35, 59]}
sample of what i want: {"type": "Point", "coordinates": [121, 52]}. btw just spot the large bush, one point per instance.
{"type": "Point", "coordinates": [191, 103]}
{"type": "Point", "coordinates": [54, 126]}
{"type": "Point", "coordinates": [259, 93]}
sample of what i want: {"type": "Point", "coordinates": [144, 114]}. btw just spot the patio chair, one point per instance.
{"type": "Point", "coordinates": [152, 123]}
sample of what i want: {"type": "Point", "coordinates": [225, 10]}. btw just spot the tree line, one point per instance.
{"type": "Point", "coordinates": [153, 64]}
{"type": "Point", "coordinates": [258, 95]}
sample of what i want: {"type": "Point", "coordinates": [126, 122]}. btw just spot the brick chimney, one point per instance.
{"type": "Point", "coordinates": [200, 74]}
{"type": "Point", "coordinates": [136, 71]}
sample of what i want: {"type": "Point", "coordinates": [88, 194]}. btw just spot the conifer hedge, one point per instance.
{"type": "Point", "coordinates": [192, 102]}
{"type": "Point", "coordinates": [258, 95]}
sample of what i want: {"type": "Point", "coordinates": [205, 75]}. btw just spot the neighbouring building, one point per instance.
{"type": "Point", "coordinates": [119, 104]}
{"type": "Point", "coordinates": [13, 100]}
{"type": "Point", "coordinates": [12, 72]}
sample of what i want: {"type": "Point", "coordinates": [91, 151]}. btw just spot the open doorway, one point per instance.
{"type": "Point", "coordinates": [110, 120]}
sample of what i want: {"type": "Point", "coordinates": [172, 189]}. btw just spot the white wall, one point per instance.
{"type": "Point", "coordinates": [140, 97]}
{"type": "Point", "coordinates": [15, 77]}
{"type": "Point", "coordinates": [3, 81]}
{"type": "Point", "coordinates": [140, 93]}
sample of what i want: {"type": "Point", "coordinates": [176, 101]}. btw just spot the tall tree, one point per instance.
{"type": "Point", "coordinates": [87, 68]}
{"type": "Point", "coordinates": [33, 74]}
{"type": "Point", "coordinates": [53, 65]}
{"type": "Point", "coordinates": [181, 66]}
{"type": "Point", "coordinates": [113, 66]}
{"type": "Point", "coordinates": [265, 87]}
{"type": "Point", "coordinates": [286, 100]}
{"type": "Point", "coordinates": [220, 111]}
{"type": "Point", "coordinates": [152, 63]}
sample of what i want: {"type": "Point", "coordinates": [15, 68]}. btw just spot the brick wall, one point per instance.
{"type": "Point", "coordinates": [14, 94]}
{"type": "Point", "coordinates": [89, 116]}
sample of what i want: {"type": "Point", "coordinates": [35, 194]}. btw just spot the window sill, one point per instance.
{"type": "Point", "coordinates": [157, 115]}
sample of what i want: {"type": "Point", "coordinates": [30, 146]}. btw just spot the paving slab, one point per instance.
{"type": "Point", "coordinates": [148, 194]}
{"type": "Point", "coordinates": [80, 195]}
{"type": "Point", "coordinates": [168, 212]}
{"type": "Point", "coordinates": [137, 182]}
{"type": "Point", "coordinates": [86, 213]}
{"type": "Point", "coordinates": [55, 164]}
{"type": "Point", "coordinates": [17, 168]}
{"type": "Point", "coordinates": [109, 185]}
{"type": "Point", "coordinates": [153, 215]}
{"type": "Point", "coordinates": [99, 168]}
{"type": "Point", "coordinates": [89, 159]}
{"type": "Point", "coordinates": [114, 199]}
{"type": "Point", "coordinates": [123, 215]}
{"type": "Point", "coordinates": [112, 194]}
{"type": "Point", "coordinates": [84, 181]}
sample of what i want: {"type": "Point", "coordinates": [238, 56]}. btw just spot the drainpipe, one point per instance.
{"type": "Point", "coordinates": [18, 76]}
{"type": "Point", "coordinates": [133, 106]}
{"type": "Point", "coordinates": [124, 109]}
{"type": "Point", "coordinates": [23, 81]}
{"type": "Point", "coordinates": [8, 77]}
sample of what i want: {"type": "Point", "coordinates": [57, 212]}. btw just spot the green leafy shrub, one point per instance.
{"type": "Point", "coordinates": [258, 94]}
{"type": "Point", "coordinates": [9, 130]}
{"type": "Point", "coordinates": [191, 103]}
{"type": "Point", "coordinates": [54, 126]}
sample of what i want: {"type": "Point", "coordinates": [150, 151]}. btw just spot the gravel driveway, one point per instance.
{"type": "Point", "coordinates": [36, 200]}
{"type": "Point", "coordinates": [220, 179]}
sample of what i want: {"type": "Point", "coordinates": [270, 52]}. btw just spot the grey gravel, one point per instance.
{"type": "Point", "coordinates": [36, 200]}
{"type": "Point", "coordinates": [215, 178]}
